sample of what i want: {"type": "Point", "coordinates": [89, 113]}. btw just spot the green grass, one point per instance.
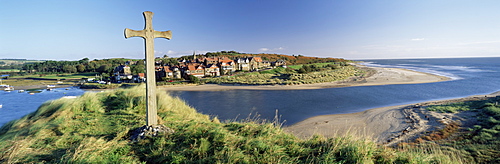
{"type": "Point", "coordinates": [9, 70]}
{"type": "Point", "coordinates": [274, 71]}
{"type": "Point", "coordinates": [316, 64]}
{"type": "Point", "coordinates": [450, 108]}
{"type": "Point", "coordinates": [94, 128]}
{"type": "Point", "coordinates": [60, 76]}
{"type": "Point", "coordinates": [282, 76]}
{"type": "Point", "coordinates": [479, 143]}
{"type": "Point", "coordinates": [26, 82]}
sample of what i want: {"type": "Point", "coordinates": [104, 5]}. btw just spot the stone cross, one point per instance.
{"type": "Point", "coordinates": [149, 34]}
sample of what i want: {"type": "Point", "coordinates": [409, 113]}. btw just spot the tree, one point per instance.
{"type": "Point", "coordinates": [91, 67]}
{"type": "Point", "coordinates": [136, 69]}
{"type": "Point", "coordinates": [170, 61]}
{"type": "Point", "coordinates": [84, 60]}
{"type": "Point", "coordinates": [193, 79]}
{"type": "Point", "coordinates": [302, 70]}
{"type": "Point", "coordinates": [69, 69]}
{"type": "Point", "coordinates": [105, 68]}
{"type": "Point", "coordinates": [80, 68]}
{"type": "Point", "coordinates": [307, 68]}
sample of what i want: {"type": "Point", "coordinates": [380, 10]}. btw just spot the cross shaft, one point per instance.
{"type": "Point", "coordinates": [149, 34]}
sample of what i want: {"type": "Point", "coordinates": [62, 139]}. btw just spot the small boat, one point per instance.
{"type": "Point", "coordinates": [20, 91]}
{"type": "Point", "coordinates": [9, 89]}
{"type": "Point", "coordinates": [1, 105]}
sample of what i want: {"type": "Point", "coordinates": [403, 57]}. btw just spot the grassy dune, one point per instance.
{"type": "Point", "coordinates": [476, 143]}
{"type": "Point", "coordinates": [283, 76]}
{"type": "Point", "coordinates": [95, 128]}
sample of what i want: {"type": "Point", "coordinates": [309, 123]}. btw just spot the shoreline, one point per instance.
{"type": "Point", "coordinates": [41, 87]}
{"type": "Point", "coordinates": [386, 125]}
{"type": "Point", "coordinates": [375, 76]}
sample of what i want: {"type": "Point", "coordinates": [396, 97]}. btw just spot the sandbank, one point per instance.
{"type": "Point", "coordinates": [27, 87]}
{"type": "Point", "coordinates": [375, 76]}
{"type": "Point", "coordinates": [386, 125]}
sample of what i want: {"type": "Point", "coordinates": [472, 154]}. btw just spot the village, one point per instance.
{"type": "Point", "coordinates": [198, 67]}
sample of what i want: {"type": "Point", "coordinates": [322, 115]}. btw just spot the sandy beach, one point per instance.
{"type": "Point", "coordinates": [376, 76]}
{"type": "Point", "coordinates": [386, 125]}
{"type": "Point", "coordinates": [41, 86]}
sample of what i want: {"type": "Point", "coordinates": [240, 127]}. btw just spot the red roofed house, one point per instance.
{"type": "Point", "coordinates": [227, 68]}
{"type": "Point", "coordinates": [212, 70]}
{"type": "Point", "coordinates": [195, 70]}
{"type": "Point", "coordinates": [209, 61]}
{"type": "Point", "coordinates": [255, 63]}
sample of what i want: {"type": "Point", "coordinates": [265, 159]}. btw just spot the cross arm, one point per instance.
{"type": "Point", "coordinates": [133, 33]}
{"type": "Point", "coordinates": [163, 34]}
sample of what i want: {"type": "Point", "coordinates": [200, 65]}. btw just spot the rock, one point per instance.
{"type": "Point", "coordinates": [149, 131]}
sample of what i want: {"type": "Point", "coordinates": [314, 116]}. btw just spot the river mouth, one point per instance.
{"type": "Point", "coordinates": [476, 76]}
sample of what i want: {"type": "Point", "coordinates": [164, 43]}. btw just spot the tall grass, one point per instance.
{"type": "Point", "coordinates": [95, 128]}
{"type": "Point", "coordinates": [479, 143]}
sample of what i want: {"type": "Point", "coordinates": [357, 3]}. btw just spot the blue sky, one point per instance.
{"type": "Point", "coordinates": [72, 30]}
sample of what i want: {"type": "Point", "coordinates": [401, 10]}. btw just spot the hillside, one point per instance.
{"type": "Point", "coordinates": [290, 59]}
{"type": "Point", "coordinates": [96, 127]}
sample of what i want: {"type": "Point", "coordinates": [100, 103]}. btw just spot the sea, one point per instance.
{"type": "Point", "coordinates": [469, 76]}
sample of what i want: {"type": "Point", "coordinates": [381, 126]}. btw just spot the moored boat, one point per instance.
{"type": "Point", "coordinates": [7, 87]}
{"type": "Point", "coordinates": [50, 87]}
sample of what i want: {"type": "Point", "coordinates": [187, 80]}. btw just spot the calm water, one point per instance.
{"type": "Point", "coordinates": [17, 105]}
{"type": "Point", "coordinates": [470, 76]}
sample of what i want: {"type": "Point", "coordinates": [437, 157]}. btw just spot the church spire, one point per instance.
{"type": "Point", "coordinates": [194, 56]}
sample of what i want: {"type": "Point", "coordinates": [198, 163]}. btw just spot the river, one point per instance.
{"type": "Point", "coordinates": [471, 76]}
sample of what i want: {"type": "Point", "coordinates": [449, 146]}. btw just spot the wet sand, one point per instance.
{"type": "Point", "coordinates": [386, 125]}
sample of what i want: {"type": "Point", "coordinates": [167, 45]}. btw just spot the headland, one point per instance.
{"type": "Point", "coordinates": [375, 76]}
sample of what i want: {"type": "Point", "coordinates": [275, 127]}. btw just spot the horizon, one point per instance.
{"type": "Point", "coordinates": [361, 30]}
{"type": "Point", "coordinates": [463, 57]}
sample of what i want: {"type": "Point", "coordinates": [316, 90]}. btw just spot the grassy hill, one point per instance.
{"type": "Point", "coordinates": [96, 127]}
{"type": "Point", "coordinates": [326, 72]}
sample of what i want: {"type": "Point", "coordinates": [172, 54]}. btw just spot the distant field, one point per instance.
{"type": "Point", "coordinates": [23, 82]}
{"type": "Point", "coordinates": [45, 80]}
{"type": "Point", "coordinates": [9, 70]}
{"type": "Point", "coordinates": [20, 61]}
{"type": "Point", "coordinates": [61, 76]}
